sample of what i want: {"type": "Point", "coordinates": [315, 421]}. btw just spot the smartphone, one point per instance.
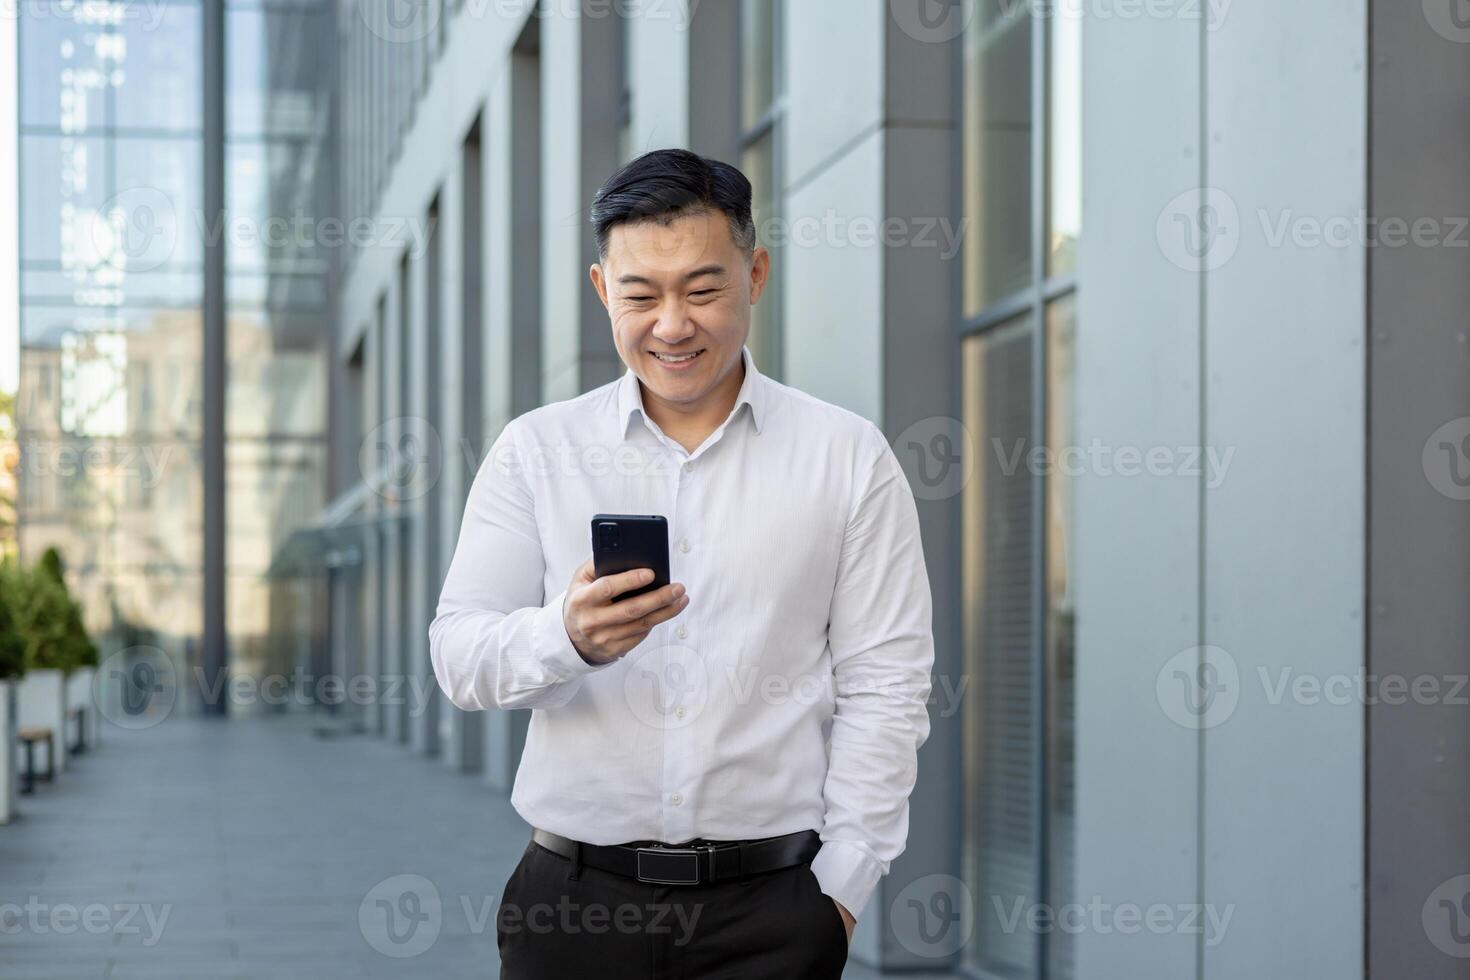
{"type": "Point", "coordinates": [623, 542]}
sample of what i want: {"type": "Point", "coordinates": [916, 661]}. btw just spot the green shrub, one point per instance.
{"type": "Point", "coordinates": [12, 640]}
{"type": "Point", "coordinates": [49, 620]}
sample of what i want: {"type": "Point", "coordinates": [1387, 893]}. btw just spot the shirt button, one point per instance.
{"type": "Point", "coordinates": [689, 466]}
{"type": "Point", "coordinates": [684, 545]}
{"type": "Point", "coordinates": [676, 799]}
{"type": "Point", "coordinates": [679, 712]}
{"type": "Point", "coordinates": [683, 632]}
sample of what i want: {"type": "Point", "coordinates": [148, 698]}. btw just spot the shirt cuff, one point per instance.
{"type": "Point", "coordinates": [553, 647]}
{"type": "Point", "coordinates": [847, 873]}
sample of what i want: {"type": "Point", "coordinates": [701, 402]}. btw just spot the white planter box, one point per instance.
{"type": "Point", "coordinates": [79, 695]}
{"type": "Point", "coordinates": [8, 787]}
{"type": "Point", "coordinates": [42, 704]}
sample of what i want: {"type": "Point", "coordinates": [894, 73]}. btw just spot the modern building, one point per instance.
{"type": "Point", "coordinates": [165, 189]}
{"type": "Point", "coordinates": [1161, 304]}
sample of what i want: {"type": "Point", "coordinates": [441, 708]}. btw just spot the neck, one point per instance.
{"type": "Point", "coordinates": [689, 425]}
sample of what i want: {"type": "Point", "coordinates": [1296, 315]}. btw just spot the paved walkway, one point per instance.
{"type": "Point", "coordinates": [255, 849]}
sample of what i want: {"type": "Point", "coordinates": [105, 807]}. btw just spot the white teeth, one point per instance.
{"type": "Point", "coordinates": [676, 358]}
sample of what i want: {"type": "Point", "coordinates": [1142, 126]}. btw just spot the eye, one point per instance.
{"type": "Point", "coordinates": [639, 299]}
{"type": "Point", "coordinates": [703, 292]}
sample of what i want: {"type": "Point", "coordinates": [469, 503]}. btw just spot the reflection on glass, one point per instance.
{"type": "Point", "coordinates": [758, 164]}
{"type": "Point", "coordinates": [997, 147]}
{"type": "Point", "coordinates": [161, 86]}
{"type": "Point", "coordinates": [65, 189]}
{"type": "Point", "coordinates": [1065, 128]}
{"type": "Point", "coordinates": [52, 45]}
{"type": "Point", "coordinates": [277, 380]}
{"type": "Point", "coordinates": [159, 197]}
{"type": "Point", "coordinates": [1061, 629]}
{"type": "Point", "coordinates": [1000, 818]}
{"type": "Point", "coordinates": [758, 58]}
{"type": "Point", "coordinates": [275, 84]}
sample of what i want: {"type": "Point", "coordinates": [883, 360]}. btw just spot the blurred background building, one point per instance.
{"type": "Point", "coordinates": [287, 268]}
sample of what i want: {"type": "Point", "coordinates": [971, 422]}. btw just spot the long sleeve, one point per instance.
{"type": "Point", "coordinates": [882, 642]}
{"type": "Point", "coordinates": [497, 641]}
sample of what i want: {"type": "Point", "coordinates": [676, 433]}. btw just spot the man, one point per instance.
{"type": "Point", "coordinates": [717, 772]}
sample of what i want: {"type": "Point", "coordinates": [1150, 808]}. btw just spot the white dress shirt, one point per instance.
{"type": "Point", "coordinates": [792, 692]}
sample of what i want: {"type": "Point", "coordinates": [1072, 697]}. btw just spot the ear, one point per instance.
{"type": "Point", "coordinates": [760, 273]}
{"type": "Point", "coordinates": [599, 284]}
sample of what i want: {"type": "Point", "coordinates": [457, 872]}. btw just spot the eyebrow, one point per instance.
{"type": "Point", "coordinates": [713, 269]}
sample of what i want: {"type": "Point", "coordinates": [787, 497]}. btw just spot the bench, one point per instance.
{"type": "Point", "coordinates": [29, 737]}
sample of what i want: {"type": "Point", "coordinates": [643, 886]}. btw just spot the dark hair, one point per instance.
{"type": "Point", "coordinates": [668, 184]}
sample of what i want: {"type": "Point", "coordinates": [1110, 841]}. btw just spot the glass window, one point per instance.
{"type": "Point", "coordinates": [997, 143]}
{"type": "Point", "coordinates": [1064, 189]}
{"type": "Point", "coordinates": [762, 112]}
{"type": "Point", "coordinates": [758, 56]}
{"type": "Point", "coordinates": [1000, 779]}
{"type": "Point", "coordinates": [1019, 597]}
{"type": "Point", "coordinates": [65, 188]}
{"type": "Point", "coordinates": [63, 82]}
{"type": "Point", "coordinates": [275, 85]}
{"type": "Point", "coordinates": [160, 81]}
{"type": "Point", "coordinates": [1061, 629]}
{"type": "Point", "coordinates": [157, 199]}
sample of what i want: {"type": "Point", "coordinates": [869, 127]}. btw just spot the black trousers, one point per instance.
{"type": "Point", "coordinates": [560, 923]}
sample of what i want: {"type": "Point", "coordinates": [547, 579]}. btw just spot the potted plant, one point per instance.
{"type": "Point", "coordinates": [56, 645]}
{"type": "Point", "coordinates": [12, 666]}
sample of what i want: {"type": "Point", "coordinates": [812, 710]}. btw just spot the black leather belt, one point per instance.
{"type": "Point", "coordinates": [695, 862]}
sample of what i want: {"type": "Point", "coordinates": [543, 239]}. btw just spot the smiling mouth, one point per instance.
{"type": "Point", "coordinates": [676, 358]}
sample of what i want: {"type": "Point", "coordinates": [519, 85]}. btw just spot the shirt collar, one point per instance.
{"type": "Point", "coordinates": [752, 393]}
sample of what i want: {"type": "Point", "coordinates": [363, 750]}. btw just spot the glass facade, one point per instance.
{"type": "Point", "coordinates": [1017, 343]}
{"type": "Point", "coordinates": [112, 253]}
{"type": "Point", "coordinates": [111, 287]}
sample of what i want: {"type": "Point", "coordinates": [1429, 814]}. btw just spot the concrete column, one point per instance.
{"type": "Point", "coordinates": [1419, 792]}
{"type": "Point", "coordinates": [1283, 576]}
{"type": "Point", "coordinates": [872, 327]}
{"type": "Point", "coordinates": [580, 94]}
{"type": "Point", "coordinates": [1137, 364]}
{"type": "Point", "coordinates": [674, 105]}
{"type": "Point", "coordinates": [393, 562]}
{"type": "Point", "coordinates": [420, 693]}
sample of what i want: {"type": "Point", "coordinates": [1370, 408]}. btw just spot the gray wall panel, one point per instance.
{"type": "Point", "coordinates": [1419, 520]}
{"type": "Point", "coordinates": [1283, 588]}
{"type": "Point", "coordinates": [1137, 550]}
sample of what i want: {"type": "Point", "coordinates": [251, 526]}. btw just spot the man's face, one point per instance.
{"type": "Point", "coordinates": [679, 297]}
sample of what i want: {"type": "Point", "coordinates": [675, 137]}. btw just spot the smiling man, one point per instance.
{"type": "Point", "coordinates": [738, 747]}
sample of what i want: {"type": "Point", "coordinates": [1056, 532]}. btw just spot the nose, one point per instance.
{"type": "Point", "coordinates": [673, 326]}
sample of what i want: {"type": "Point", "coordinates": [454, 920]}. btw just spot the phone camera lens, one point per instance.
{"type": "Point", "coordinates": [608, 537]}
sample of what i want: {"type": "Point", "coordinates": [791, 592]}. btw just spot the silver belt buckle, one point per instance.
{"type": "Point", "coordinates": [666, 865]}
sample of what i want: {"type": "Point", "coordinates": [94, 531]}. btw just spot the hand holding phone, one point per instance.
{"type": "Point", "coordinates": [620, 594]}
